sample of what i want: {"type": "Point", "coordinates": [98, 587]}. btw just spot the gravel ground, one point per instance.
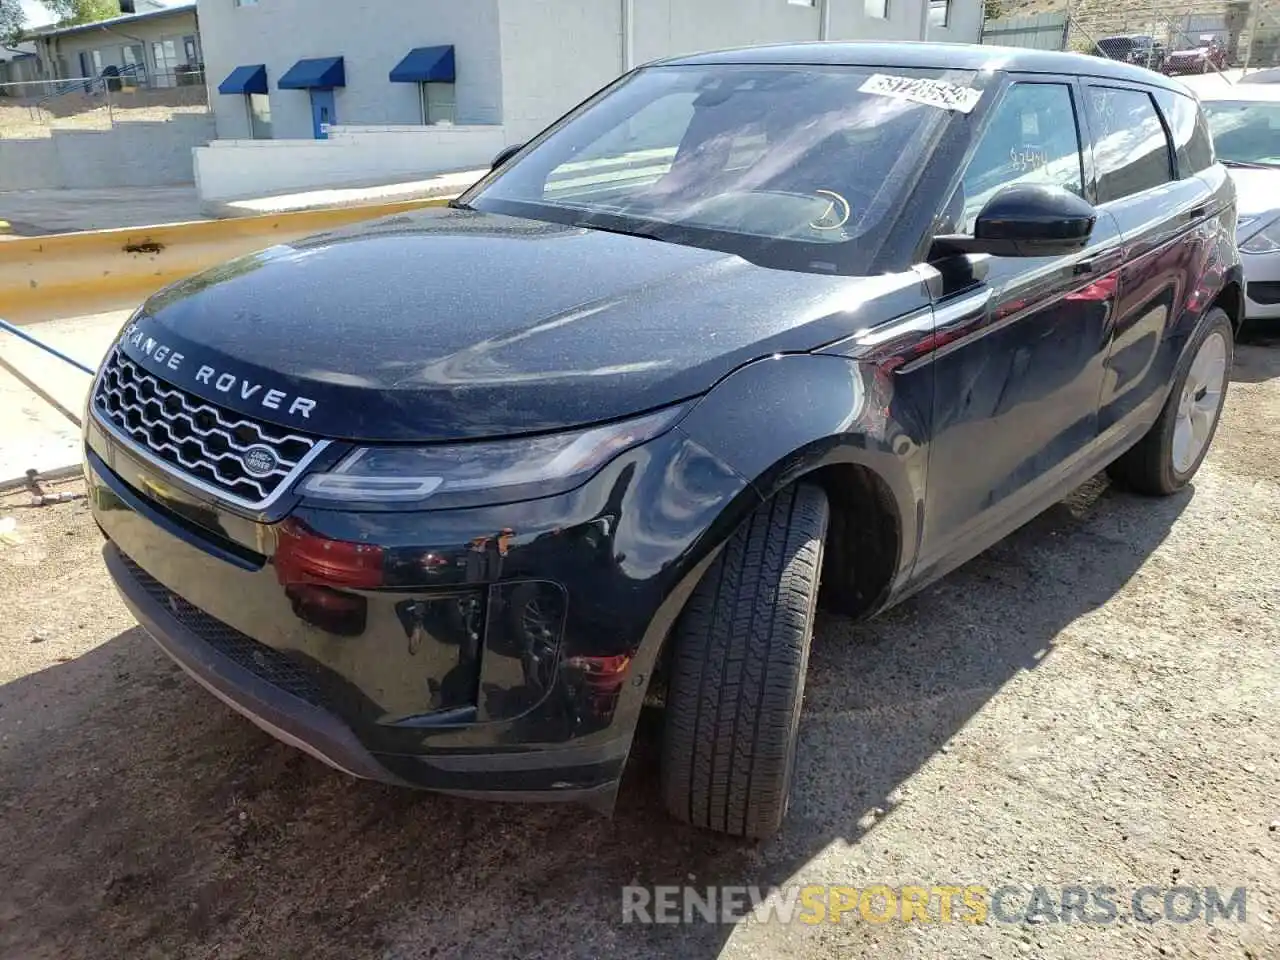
{"type": "Point", "coordinates": [16, 123]}
{"type": "Point", "coordinates": [1093, 701]}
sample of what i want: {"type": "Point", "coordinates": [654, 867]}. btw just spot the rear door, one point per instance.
{"type": "Point", "coordinates": [1020, 351]}
{"type": "Point", "coordinates": [1162, 211]}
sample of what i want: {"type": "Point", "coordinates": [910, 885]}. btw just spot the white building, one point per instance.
{"type": "Point", "coordinates": [326, 92]}
{"type": "Point", "coordinates": [152, 43]}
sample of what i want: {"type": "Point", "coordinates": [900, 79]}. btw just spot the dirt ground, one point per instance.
{"type": "Point", "coordinates": [1095, 701]}
{"type": "Point", "coordinates": [17, 123]}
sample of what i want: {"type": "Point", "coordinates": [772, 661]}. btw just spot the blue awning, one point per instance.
{"type": "Point", "coordinates": [425, 65]}
{"type": "Point", "coordinates": [251, 78]}
{"type": "Point", "coordinates": [322, 74]}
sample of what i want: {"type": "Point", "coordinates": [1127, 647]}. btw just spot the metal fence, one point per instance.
{"type": "Point", "coordinates": [98, 102]}
{"type": "Point", "coordinates": [1046, 31]}
{"type": "Point", "coordinates": [1182, 36]}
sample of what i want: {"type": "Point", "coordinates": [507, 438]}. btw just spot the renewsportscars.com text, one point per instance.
{"type": "Point", "coordinates": [940, 903]}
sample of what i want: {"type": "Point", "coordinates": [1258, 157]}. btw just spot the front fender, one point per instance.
{"type": "Point", "coordinates": [776, 420]}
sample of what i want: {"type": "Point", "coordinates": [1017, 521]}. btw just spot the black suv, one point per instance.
{"type": "Point", "coordinates": [1140, 49]}
{"type": "Point", "coordinates": [438, 497]}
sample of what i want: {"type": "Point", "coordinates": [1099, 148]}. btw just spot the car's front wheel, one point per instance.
{"type": "Point", "coordinates": [738, 668]}
{"type": "Point", "coordinates": [1170, 453]}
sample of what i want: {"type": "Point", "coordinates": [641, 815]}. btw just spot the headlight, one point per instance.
{"type": "Point", "coordinates": [1266, 240]}
{"type": "Point", "coordinates": [482, 472]}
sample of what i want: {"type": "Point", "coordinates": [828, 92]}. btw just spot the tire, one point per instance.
{"type": "Point", "coordinates": [1152, 465]}
{"type": "Point", "coordinates": [741, 649]}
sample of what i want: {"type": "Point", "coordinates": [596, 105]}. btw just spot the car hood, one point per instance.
{"type": "Point", "coordinates": [1257, 197]}
{"type": "Point", "coordinates": [453, 324]}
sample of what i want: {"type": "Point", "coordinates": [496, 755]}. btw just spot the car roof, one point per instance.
{"type": "Point", "coordinates": [938, 56]}
{"type": "Point", "coordinates": [1264, 92]}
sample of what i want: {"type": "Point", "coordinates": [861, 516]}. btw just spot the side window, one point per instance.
{"type": "Point", "coordinates": [1192, 143]}
{"type": "Point", "coordinates": [1130, 146]}
{"type": "Point", "coordinates": [1032, 138]}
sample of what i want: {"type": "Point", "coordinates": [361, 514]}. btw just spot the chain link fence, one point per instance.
{"type": "Point", "coordinates": [1177, 37]}
{"type": "Point", "coordinates": [34, 107]}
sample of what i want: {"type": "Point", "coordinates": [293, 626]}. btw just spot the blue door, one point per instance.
{"type": "Point", "coordinates": [322, 113]}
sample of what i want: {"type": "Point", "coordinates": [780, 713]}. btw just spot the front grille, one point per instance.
{"type": "Point", "coordinates": [262, 661]}
{"type": "Point", "coordinates": [238, 459]}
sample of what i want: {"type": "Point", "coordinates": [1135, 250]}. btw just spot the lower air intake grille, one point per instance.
{"type": "Point", "coordinates": [265, 663]}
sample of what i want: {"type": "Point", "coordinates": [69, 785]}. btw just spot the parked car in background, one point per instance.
{"type": "Point", "coordinates": [1244, 120]}
{"type": "Point", "coordinates": [1269, 75]}
{"type": "Point", "coordinates": [1210, 53]}
{"type": "Point", "coordinates": [436, 497]}
{"type": "Point", "coordinates": [1139, 49]}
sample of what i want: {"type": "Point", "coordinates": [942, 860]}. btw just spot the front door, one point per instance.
{"type": "Point", "coordinates": [1020, 351]}
{"type": "Point", "coordinates": [322, 113]}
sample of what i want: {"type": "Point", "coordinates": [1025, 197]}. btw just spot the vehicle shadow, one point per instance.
{"type": "Point", "coordinates": [1258, 360]}
{"type": "Point", "coordinates": [146, 819]}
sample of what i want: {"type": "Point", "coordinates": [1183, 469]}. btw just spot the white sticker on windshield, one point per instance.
{"type": "Point", "coordinates": [934, 93]}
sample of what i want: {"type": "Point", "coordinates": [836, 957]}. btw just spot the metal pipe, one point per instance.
{"type": "Point", "coordinates": [628, 35]}
{"type": "Point", "coordinates": [824, 19]}
{"type": "Point", "coordinates": [23, 335]}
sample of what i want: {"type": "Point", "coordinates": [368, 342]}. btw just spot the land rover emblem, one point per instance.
{"type": "Point", "coordinates": [259, 461]}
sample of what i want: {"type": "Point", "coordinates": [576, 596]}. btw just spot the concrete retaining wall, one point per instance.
{"type": "Point", "coordinates": [234, 169]}
{"type": "Point", "coordinates": [130, 154]}
{"type": "Point", "coordinates": [29, 164]}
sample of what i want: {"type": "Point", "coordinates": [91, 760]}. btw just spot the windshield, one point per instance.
{"type": "Point", "coordinates": [1245, 132]}
{"type": "Point", "coordinates": [796, 166]}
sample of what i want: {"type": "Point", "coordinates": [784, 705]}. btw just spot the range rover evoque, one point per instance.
{"type": "Point", "coordinates": [437, 497]}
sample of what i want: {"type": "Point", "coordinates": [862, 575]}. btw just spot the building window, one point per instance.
{"type": "Point", "coordinates": [939, 13]}
{"type": "Point", "coordinates": [165, 55]}
{"type": "Point", "coordinates": [439, 103]}
{"type": "Point", "coordinates": [259, 106]}
{"type": "Point", "coordinates": [134, 59]}
{"type": "Point", "coordinates": [876, 9]}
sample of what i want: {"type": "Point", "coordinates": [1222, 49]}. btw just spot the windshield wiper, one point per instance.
{"type": "Point", "coordinates": [596, 225]}
{"type": "Point", "coordinates": [1251, 164]}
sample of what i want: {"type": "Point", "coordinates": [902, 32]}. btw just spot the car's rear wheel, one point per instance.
{"type": "Point", "coordinates": [741, 649]}
{"type": "Point", "coordinates": [1171, 452]}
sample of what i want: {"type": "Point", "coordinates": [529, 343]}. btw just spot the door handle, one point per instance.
{"type": "Point", "coordinates": [1195, 213]}
{"type": "Point", "coordinates": [1097, 264]}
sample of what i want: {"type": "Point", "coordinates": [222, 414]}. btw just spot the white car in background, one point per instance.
{"type": "Point", "coordinates": [1244, 119]}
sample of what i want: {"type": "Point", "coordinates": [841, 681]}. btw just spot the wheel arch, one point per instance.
{"type": "Point", "coordinates": [834, 427]}
{"type": "Point", "coordinates": [865, 554]}
{"type": "Point", "coordinates": [1231, 299]}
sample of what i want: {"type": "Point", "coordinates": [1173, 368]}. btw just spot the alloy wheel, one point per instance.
{"type": "Point", "coordinates": [1198, 405]}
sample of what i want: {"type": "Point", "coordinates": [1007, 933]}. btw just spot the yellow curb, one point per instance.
{"type": "Point", "coordinates": [40, 274]}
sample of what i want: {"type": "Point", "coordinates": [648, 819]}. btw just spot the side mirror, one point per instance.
{"type": "Point", "coordinates": [1026, 220]}
{"type": "Point", "coordinates": [505, 154]}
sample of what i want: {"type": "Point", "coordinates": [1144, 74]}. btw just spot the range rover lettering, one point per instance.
{"type": "Point", "coordinates": [446, 498]}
